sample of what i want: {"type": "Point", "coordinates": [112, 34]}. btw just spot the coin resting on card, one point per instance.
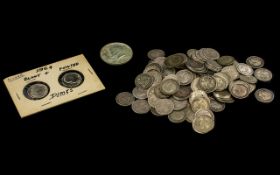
{"type": "Point", "coordinates": [53, 84]}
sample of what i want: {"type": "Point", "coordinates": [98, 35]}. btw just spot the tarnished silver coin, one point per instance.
{"type": "Point", "coordinates": [210, 54]}
{"type": "Point", "coordinates": [158, 93]}
{"type": "Point", "coordinates": [152, 98]}
{"type": "Point", "coordinates": [249, 79]}
{"type": "Point", "coordinates": [263, 74]}
{"type": "Point", "coordinates": [153, 66]}
{"type": "Point", "coordinates": [169, 86]}
{"type": "Point", "coordinates": [264, 95]}
{"type": "Point", "coordinates": [223, 96]}
{"type": "Point", "coordinates": [164, 106]}
{"type": "Point", "coordinates": [144, 80]}
{"type": "Point", "coordinates": [231, 72]}
{"type": "Point", "coordinates": [198, 94]}
{"type": "Point", "coordinates": [200, 103]}
{"type": "Point", "coordinates": [155, 53]}
{"type": "Point", "coordinates": [239, 89]}
{"type": "Point", "coordinates": [71, 79]}
{"type": "Point", "coordinates": [195, 84]}
{"type": "Point", "coordinates": [226, 60]}
{"type": "Point", "coordinates": [175, 60]}
{"type": "Point", "coordinates": [189, 114]}
{"type": "Point", "coordinates": [216, 106]}
{"type": "Point", "coordinates": [116, 53]}
{"type": "Point", "coordinates": [183, 93]}
{"type": "Point", "coordinates": [157, 76]}
{"type": "Point", "coordinates": [221, 83]}
{"type": "Point", "coordinates": [244, 69]}
{"type": "Point", "coordinates": [160, 61]}
{"type": "Point", "coordinates": [177, 116]}
{"type": "Point", "coordinates": [255, 61]}
{"type": "Point", "coordinates": [179, 104]}
{"type": "Point", "coordinates": [213, 66]}
{"type": "Point", "coordinates": [140, 106]}
{"type": "Point", "coordinates": [168, 71]}
{"type": "Point", "coordinates": [36, 90]}
{"type": "Point", "coordinates": [207, 83]}
{"type": "Point", "coordinates": [139, 93]}
{"type": "Point", "coordinates": [203, 121]}
{"type": "Point", "coordinates": [185, 77]}
{"type": "Point", "coordinates": [124, 99]}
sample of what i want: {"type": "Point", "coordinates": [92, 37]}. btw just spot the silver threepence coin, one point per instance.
{"type": "Point", "coordinates": [124, 99]}
{"type": "Point", "coordinates": [255, 62]}
{"type": "Point", "coordinates": [264, 95]}
{"type": "Point", "coordinates": [203, 122]}
{"type": "Point", "coordinates": [164, 106]}
{"type": "Point", "coordinates": [263, 74]}
{"type": "Point", "coordinates": [155, 53]}
{"type": "Point", "coordinates": [140, 106]}
{"type": "Point", "coordinates": [244, 69]}
{"type": "Point", "coordinates": [144, 80]}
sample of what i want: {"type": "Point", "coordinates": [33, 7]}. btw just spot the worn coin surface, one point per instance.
{"type": "Point", "coordinates": [183, 93]}
{"type": "Point", "coordinates": [71, 79]}
{"type": "Point", "coordinates": [226, 60]}
{"type": "Point", "coordinates": [124, 99]}
{"type": "Point", "coordinates": [244, 69]}
{"type": "Point", "coordinates": [203, 121]}
{"type": "Point", "coordinates": [231, 72]}
{"type": "Point", "coordinates": [169, 86]}
{"type": "Point", "coordinates": [155, 53]}
{"type": "Point", "coordinates": [263, 74]}
{"type": "Point", "coordinates": [177, 116]}
{"type": "Point", "coordinates": [216, 106]}
{"type": "Point", "coordinates": [264, 95]}
{"type": "Point", "coordinates": [144, 80]}
{"type": "Point", "coordinates": [239, 89]}
{"type": "Point", "coordinates": [116, 53]}
{"type": "Point", "coordinates": [249, 79]}
{"type": "Point", "coordinates": [36, 90]}
{"type": "Point", "coordinates": [185, 77]}
{"type": "Point", "coordinates": [164, 106]}
{"type": "Point", "coordinates": [175, 60]}
{"type": "Point", "coordinates": [207, 83]}
{"type": "Point", "coordinates": [139, 93]}
{"type": "Point", "coordinates": [255, 61]}
{"type": "Point", "coordinates": [200, 103]}
{"type": "Point", "coordinates": [140, 106]}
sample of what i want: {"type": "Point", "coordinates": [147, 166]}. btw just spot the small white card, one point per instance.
{"type": "Point", "coordinates": [53, 84]}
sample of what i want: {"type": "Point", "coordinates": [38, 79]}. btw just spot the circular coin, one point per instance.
{"type": "Point", "coordinates": [255, 61]}
{"type": "Point", "coordinates": [124, 99]}
{"type": "Point", "coordinates": [164, 106]}
{"type": "Point", "coordinates": [264, 95]}
{"type": "Point", "coordinates": [71, 79]}
{"type": "Point", "coordinates": [36, 90]}
{"type": "Point", "coordinates": [263, 74]}
{"type": "Point", "coordinates": [177, 116]}
{"type": "Point", "coordinates": [116, 53]}
{"type": "Point", "coordinates": [244, 69]}
{"type": "Point", "coordinates": [155, 53]}
{"type": "Point", "coordinates": [144, 80]}
{"type": "Point", "coordinates": [140, 106]}
{"type": "Point", "coordinates": [203, 121]}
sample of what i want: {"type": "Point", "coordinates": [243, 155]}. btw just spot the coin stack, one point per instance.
{"type": "Point", "coordinates": [190, 87]}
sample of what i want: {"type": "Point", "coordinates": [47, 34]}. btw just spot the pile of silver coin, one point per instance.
{"type": "Point", "coordinates": [191, 86]}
